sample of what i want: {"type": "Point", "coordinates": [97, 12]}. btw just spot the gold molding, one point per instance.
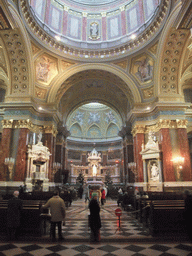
{"type": "Point", "coordinates": [7, 123]}
{"type": "Point", "coordinates": [50, 129]}
{"type": "Point", "coordinates": [138, 129]}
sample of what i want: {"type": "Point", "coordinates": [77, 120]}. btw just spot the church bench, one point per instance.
{"type": "Point", "coordinates": [167, 216]}
{"type": "Point", "coordinates": [31, 221]}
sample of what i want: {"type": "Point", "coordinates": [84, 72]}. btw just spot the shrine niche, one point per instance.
{"type": "Point", "coordinates": [37, 167]}
{"type": "Point", "coordinates": [152, 167]}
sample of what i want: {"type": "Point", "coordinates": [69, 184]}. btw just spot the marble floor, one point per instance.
{"type": "Point", "coordinates": [124, 236]}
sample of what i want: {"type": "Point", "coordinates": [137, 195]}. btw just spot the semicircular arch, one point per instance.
{"type": "Point", "coordinates": [52, 96]}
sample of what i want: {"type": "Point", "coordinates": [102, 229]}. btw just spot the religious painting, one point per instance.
{"type": "Point", "coordinates": [142, 68]}
{"type": "Point", "coordinates": [46, 69]}
{"type": "Point", "coordinates": [153, 170]}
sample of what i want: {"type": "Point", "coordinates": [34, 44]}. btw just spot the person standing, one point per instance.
{"type": "Point", "coordinates": [57, 209]}
{"type": "Point", "coordinates": [94, 219]}
{"type": "Point", "coordinates": [102, 196]}
{"type": "Point", "coordinates": [14, 209]}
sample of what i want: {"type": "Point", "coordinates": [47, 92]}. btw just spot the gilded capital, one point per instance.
{"type": "Point", "coordinates": [181, 123]}
{"type": "Point", "coordinates": [138, 129]}
{"type": "Point", "coordinates": [7, 123]}
{"type": "Point", "coordinates": [50, 129]}
{"type": "Point", "coordinates": [18, 124]}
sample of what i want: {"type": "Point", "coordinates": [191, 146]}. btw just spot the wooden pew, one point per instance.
{"type": "Point", "coordinates": [167, 216]}
{"type": "Point", "coordinates": [31, 221]}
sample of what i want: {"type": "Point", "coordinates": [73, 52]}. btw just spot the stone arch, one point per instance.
{"type": "Point", "coordinates": [93, 66]}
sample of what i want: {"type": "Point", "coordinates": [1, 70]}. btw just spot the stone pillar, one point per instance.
{"type": "Point", "coordinates": [166, 147]}
{"type": "Point", "coordinates": [21, 157]}
{"type": "Point", "coordinates": [50, 142]}
{"type": "Point", "coordinates": [185, 152]}
{"type": "Point", "coordinates": [5, 148]}
{"type": "Point", "coordinates": [139, 136]}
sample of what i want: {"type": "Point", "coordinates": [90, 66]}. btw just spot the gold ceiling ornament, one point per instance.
{"type": "Point", "coordinates": [181, 123]}
{"type": "Point", "coordinates": [173, 49]}
{"type": "Point", "coordinates": [50, 129]}
{"type": "Point", "coordinates": [138, 129]}
{"type": "Point", "coordinates": [122, 64]}
{"type": "Point", "coordinates": [17, 59]}
{"type": "Point", "coordinates": [7, 123]}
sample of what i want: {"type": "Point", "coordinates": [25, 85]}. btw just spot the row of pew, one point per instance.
{"type": "Point", "coordinates": [161, 214]}
{"type": "Point", "coordinates": [31, 217]}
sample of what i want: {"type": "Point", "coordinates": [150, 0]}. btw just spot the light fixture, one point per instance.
{"type": "Point", "coordinates": [58, 38]}
{"type": "Point", "coordinates": [178, 161]}
{"type": "Point", "coordinates": [133, 36]}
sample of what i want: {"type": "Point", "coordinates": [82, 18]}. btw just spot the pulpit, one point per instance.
{"type": "Point", "coordinates": [37, 167]}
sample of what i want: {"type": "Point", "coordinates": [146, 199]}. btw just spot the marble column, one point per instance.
{"type": "Point", "coordinates": [185, 152]}
{"type": "Point", "coordinates": [50, 142]}
{"type": "Point", "coordinates": [5, 152]}
{"type": "Point", "coordinates": [138, 141]}
{"type": "Point", "coordinates": [21, 158]}
{"type": "Point", "coordinates": [166, 147]}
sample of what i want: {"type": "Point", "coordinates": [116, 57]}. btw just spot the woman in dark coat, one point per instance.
{"type": "Point", "coordinates": [94, 219]}
{"type": "Point", "coordinates": [13, 215]}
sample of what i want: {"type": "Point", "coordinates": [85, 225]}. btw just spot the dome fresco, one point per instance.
{"type": "Point", "coordinates": [91, 24]}
{"type": "Point", "coordinates": [94, 121]}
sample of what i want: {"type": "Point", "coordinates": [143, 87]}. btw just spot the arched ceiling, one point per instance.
{"type": "Point", "coordinates": [95, 31]}
{"type": "Point", "coordinates": [95, 86]}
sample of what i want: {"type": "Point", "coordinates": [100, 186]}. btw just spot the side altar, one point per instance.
{"type": "Point", "coordinates": [152, 165]}
{"type": "Point", "coordinates": [37, 167]}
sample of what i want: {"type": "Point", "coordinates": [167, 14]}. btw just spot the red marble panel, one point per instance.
{"type": "Point", "coordinates": [104, 160]}
{"type": "Point", "coordinates": [64, 158]}
{"type": "Point", "coordinates": [47, 11]}
{"type": "Point", "coordinates": [104, 28]}
{"type": "Point", "coordinates": [168, 170]}
{"type": "Point", "coordinates": [185, 152]}
{"type": "Point", "coordinates": [84, 34]}
{"type": "Point", "coordinates": [65, 22]}
{"type": "Point", "coordinates": [5, 150]}
{"type": "Point", "coordinates": [123, 23]}
{"type": "Point", "coordinates": [141, 14]}
{"type": "Point", "coordinates": [138, 141]}
{"type": "Point", "coordinates": [21, 159]}
{"type": "Point", "coordinates": [50, 143]}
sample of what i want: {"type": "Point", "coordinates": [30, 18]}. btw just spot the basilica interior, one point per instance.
{"type": "Point", "coordinates": [100, 89]}
{"type": "Point", "coordinates": [112, 77]}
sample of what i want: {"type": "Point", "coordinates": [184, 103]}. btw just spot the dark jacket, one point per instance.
{"type": "Point", "coordinates": [14, 212]}
{"type": "Point", "coordinates": [95, 220]}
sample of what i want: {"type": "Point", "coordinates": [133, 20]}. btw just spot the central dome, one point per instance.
{"type": "Point", "coordinates": [94, 2]}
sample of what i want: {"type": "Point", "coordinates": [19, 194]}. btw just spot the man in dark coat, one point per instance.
{"type": "Point", "coordinates": [14, 215]}
{"type": "Point", "coordinates": [94, 219]}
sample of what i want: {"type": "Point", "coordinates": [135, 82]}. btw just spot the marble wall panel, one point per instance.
{"type": "Point", "coordinates": [185, 152]}
{"type": "Point", "coordinates": [21, 159]}
{"type": "Point", "coordinates": [138, 140]}
{"type": "Point", "coordinates": [168, 170]}
{"type": "Point", "coordinates": [5, 150]}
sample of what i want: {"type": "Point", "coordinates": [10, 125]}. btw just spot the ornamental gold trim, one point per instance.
{"type": "Point", "coordinates": [50, 129]}
{"type": "Point", "coordinates": [138, 129]}
{"type": "Point", "coordinates": [7, 123]}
